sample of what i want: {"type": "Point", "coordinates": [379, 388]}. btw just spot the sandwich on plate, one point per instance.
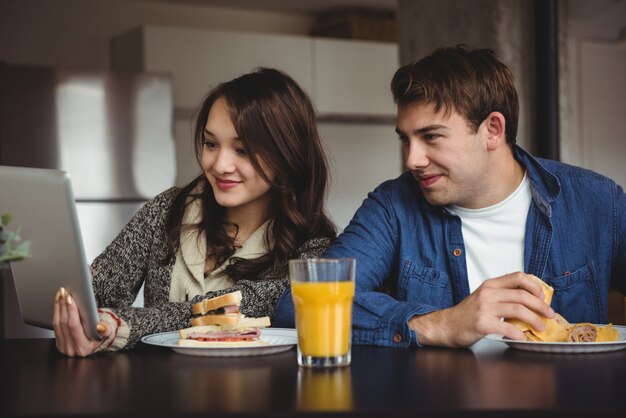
{"type": "Point", "coordinates": [217, 322]}
{"type": "Point", "coordinates": [558, 329]}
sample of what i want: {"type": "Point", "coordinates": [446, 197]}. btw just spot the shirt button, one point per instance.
{"type": "Point", "coordinates": [397, 338]}
{"type": "Point", "coordinates": [456, 252]}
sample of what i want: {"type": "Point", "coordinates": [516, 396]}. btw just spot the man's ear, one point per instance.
{"type": "Point", "coordinates": [495, 124]}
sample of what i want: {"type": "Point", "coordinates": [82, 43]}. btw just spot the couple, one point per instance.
{"type": "Point", "coordinates": [452, 241]}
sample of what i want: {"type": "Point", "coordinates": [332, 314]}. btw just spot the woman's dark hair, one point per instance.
{"type": "Point", "coordinates": [275, 121]}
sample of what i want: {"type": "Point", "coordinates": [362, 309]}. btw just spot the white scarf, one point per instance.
{"type": "Point", "coordinates": [188, 278]}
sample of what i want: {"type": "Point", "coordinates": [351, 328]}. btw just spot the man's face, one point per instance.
{"type": "Point", "coordinates": [447, 158]}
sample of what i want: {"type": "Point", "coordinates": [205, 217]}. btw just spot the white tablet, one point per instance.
{"type": "Point", "coordinates": [41, 204]}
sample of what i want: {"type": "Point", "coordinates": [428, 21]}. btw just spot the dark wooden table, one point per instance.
{"type": "Point", "coordinates": [487, 380]}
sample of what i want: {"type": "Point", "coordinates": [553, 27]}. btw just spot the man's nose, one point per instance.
{"type": "Point", "coordinates": [415, 155]}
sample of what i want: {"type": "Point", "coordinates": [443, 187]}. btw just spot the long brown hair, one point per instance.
{"type": "Point", "coordinates": [471, 81]}
{"type": "Point", "coordinates": [275, 121]}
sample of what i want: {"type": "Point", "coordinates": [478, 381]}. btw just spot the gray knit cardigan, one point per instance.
{"type": "Point", "coordinates": [134, 259]}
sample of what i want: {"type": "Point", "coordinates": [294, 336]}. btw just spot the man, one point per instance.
{"type": "Point", "coordinates": [453, 239]}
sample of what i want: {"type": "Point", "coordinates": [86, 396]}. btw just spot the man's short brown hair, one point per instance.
{"type": "Point", "coordinates": [470, 81]}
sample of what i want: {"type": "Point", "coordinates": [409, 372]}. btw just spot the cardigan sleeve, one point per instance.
{"type": "Point", "coordinates": [121, 269]}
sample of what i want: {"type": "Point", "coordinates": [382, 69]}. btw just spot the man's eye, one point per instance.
{"type": "Point", "coordinates": [210, 144]}
{"type": "Point", "coordinates": [431, 137]}
{"type": "Point", "coordinates": [403, 139]}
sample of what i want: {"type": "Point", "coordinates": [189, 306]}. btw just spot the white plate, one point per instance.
{"type": "Point", "coordinates": [546, 347]}
{"type": "Point", "coordinates": [278, 339]}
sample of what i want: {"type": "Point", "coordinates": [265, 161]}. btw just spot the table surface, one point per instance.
{"type": "Point", "coordinates": [489, 379]}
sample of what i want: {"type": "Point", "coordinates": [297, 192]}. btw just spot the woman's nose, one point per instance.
{"type": "Point", "coordinates": [224, 162]}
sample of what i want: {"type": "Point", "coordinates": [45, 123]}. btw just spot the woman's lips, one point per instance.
{"type": "Point", "coordinates": [226, 184]}
{"type": "Point", "coordinates": [429, 180]}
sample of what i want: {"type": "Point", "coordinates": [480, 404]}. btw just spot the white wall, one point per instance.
{"type": "Point", "coordinates": [77, 33]}
{"type": "Point", "coordinates": [377, 156]}
{"type": "Point", "coordinates": [593, 86]}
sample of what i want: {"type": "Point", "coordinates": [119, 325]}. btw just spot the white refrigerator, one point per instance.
{"type": "Point", "coordinates": [112, 132]}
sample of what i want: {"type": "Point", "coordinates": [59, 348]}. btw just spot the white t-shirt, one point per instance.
{"type": "Point", "coordinates": [494, 236]}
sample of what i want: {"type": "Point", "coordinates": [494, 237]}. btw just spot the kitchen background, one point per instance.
{"type": "Point", "coordinates": [106, 89]}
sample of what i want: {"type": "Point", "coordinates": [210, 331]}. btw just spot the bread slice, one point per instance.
{"type": "Point", "coordinates": [216, 319]}
{"type": "Point", "coordinates": [244, 322]}
{"type": "Point", "coordinates": [217, 344]}
{"type": "Point", "coordinates": [208, 305]}
{"type": "Point", "coordinates": [245, 325]}
{"type": "Point", "coordinates": [231, 321]}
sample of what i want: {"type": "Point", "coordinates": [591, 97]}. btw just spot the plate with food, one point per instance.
{"type": "Point", "coordinates": [272, 340]}
{"type": "Point", "coordinates": [568, 346]}
{"type": "Point", "coordinates": [220, 330]}
{"type": "Point", "coordinates": [561, 336]}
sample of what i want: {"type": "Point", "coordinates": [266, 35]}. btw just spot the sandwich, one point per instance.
{"type": "Point", "coordinates": [557, 329]}
{"type": "Point", "coordinates": [220, 310]}
{"type": "Point", "coordinates": [586, 333]}
{"type": "Point", "coordinates": [246, 333]}
{"type": "Point", "coordinates": [217, 322]}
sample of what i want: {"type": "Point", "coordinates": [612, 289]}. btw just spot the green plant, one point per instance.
{"type": "Point", "coordinates": [12, 248]}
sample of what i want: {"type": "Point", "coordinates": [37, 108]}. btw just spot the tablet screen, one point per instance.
{"type": "Point", "coordinates": [42, 205]}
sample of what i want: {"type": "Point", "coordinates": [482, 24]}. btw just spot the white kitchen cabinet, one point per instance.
{"type": "Point", "coordinates": [343, 77]}
{"type": "Point", "coordinates": [353, 77]}
{"type": "Point", "coordinates": [199, 59]}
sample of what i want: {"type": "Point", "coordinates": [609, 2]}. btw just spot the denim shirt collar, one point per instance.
{"type": "Point", "coordinates": [545, 186]}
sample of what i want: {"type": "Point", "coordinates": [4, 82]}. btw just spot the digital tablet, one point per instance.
{"type": "Point", "coordinates": [41, 203]}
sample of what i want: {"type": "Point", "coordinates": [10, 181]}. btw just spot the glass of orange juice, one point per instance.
{"type": "Point", "coordinates": [322, 291]}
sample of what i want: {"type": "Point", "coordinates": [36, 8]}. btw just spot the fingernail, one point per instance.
{"type": "Point", "coordinates": [101, 328]}
{"type": "Point", "coordinates": [69, 300]}
{"type": "Point", "coordinates": [57, 296]}
{"type": "Point", "coordinates": [63, 292]}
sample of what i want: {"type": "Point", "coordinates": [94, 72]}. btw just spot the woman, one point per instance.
{"type": "Point", "coordinates": [258, 203]}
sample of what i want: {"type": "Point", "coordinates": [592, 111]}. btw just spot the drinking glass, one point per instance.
{"type": "Point", "coordinates": [322, 291]}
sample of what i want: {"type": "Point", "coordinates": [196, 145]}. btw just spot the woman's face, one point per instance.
{"type": "Point", "coordinates": [236, 184]}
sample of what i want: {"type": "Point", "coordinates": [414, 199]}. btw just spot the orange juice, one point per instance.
{"type": "Point", "coordinates": [323, 317]}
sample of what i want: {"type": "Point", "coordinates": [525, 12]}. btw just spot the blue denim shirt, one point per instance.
{"type": "Point", "coordinates": [575, 241]}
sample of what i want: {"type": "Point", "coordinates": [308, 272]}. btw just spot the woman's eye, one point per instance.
{"type": "Point", "coordinates": [210, 144]}
{"type": "Point", "coordinates": [241, 151]}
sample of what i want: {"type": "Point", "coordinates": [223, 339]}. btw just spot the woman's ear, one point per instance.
{"type": "Point", "coordinates": [496, 130]}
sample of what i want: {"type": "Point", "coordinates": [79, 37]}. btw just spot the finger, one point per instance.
{"type": "Point", "coordinates": [528, 283]}
{"type": "Point", "coordinates": [510, 331]}
{"type": "Point", "coordinates": [517, 311]}
{"type": "Point", "coordinates": [56, 324]}
{"type": "Point", "coordinates": [82, 344]}
{"type": "Point", "coordinates": [515, 295]}
{"type": "Point", "coordinates": [529, 300]}
{"type": "Point", "coordinates": [517, 280]}
{"type": "Point", "coordinates": [67, 347]}
{"type": "Point", "coordinates": [103, 329]}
